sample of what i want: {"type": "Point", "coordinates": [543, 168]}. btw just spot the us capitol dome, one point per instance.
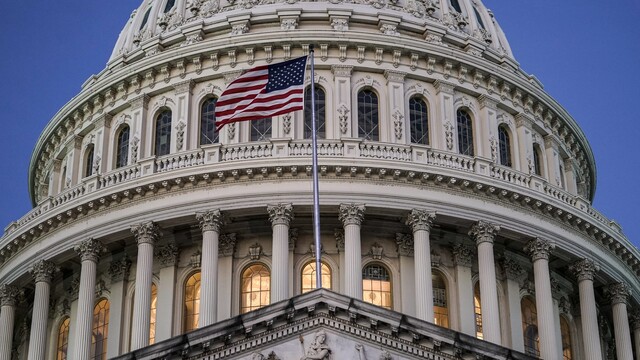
{"type": "Point", "coordinates": [455, 199]}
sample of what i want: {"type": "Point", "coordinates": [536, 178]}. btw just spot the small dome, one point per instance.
{"type": "Point", "coordinates": [162, 18]}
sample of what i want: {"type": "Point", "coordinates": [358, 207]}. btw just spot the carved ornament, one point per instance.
{"type": "Point", "coordinates": [351, 214]}
{"type": "Point", "coordinates": [420, 219]}
{"type": "Point", "coordinates": [339, 235]}
{"type": "Point", "coordinates": [9, 295]}
{"type": "Point", "coordinates": [211, 220]}
{"type": "Point", "coordinates": [43, 271]}
{"type": "Point", "coordinates": [404, 244]}
{"type": "Point", "coordinates": [462, 255]}
{"type": "Point", "coordinates": [539, 249]}
{"type": "Point", "coordinates": [146, 232]}
{"type": "Point", "coordinates": [280, 214]}
{"type": "Point", "coordinates": [584, 269]}
{"type": "Point", "coordinates": [119, 269]}
{"type": "Point", "coordinates": [90, 250]}
{"type": "Point", "coordinates": [484, 231]}
{"type": "Point", "coordinates": [167, 255]}
{"type": "Point", "coordinates": [227, 244]}
{"type": "Point", "coordinates": [618, 293]}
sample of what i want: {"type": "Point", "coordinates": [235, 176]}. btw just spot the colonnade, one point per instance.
{"type": "Point", "coordinates": [420, 221]}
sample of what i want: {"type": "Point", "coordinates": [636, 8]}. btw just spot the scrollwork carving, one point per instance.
{"type": "Point", "coordinates": [539, 249]}
{"type": "Point", "coordinates": [119, 269]}
{"type": "Point", "coordinates": [146, 232]}
{"type": "Point", "coordinates": [89, 250]}
{"type": "Point", "coordinates": [462, 255]}
{"type": "Point", "coordinates": [419, 219]}
{"type": "Point", "coordinates": [483, 231]}
{"type": "Point", "coordinates": [280, 214]}
{"type": "Point", "coordinates": [404, 244]}
{"type": "Point", "coordinates": [43, 271]}
{"type": "Point", "coordinates": [227, 244]}
{"type": "Point", "coordinates": [618, 293]}
{"type": "Point", "coordinates": [211, 220]}
{"type": "Point", "coordinates": [343, 118]}
{"type": "Point", "coordinates": [351, 214]}
{"type": "Point", "coordinates": [584, 269]}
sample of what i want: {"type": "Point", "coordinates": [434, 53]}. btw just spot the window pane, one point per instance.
{"type": "Point", "coordinates": [192, 302]}
{"type": "Point", "coordinates": [418, 121]}
{"type": "Point", "coordinates": [122, 148]}
{"type": "Point", "coordinates": [566, 339]}
{"type": "Point", "coordinates": [169, 5]}
{"type": "Point", "coordinates": [440, 308]}
{"type": "Point", "coordinates": [376, 286]}
{"type": "Point", "coordinates": [208, 133]}
{"type": "Point", "coordinates": [465, 133]}
{"type": "Point", "coordinates": [154, 307]}
{"type": "Point", "coordinates": [256, 287]}
{"type": "Point", "coordinates": [530, 327]}
{"type": "Point", "coordinates": [505, 146]}
{"type": "Point", "coordinates": [163, 133]}
{"type": "Point", "coordinates": [100, 330]}
{"type": "Point", "coordinates": [63, 340]}
{"type": "Point", "coordinates": [368, 115]}
{"type": "Point", "coordinates": [88, 165]}
{"type": "Point", "coordinates": [537, 161]}
{"type": "Point", "coordinates": [309, 277]}
{"type": "Point", "coordinates": [261, 129]}
{"type": "Point", "coordinates": [320, 113]}
{"type": "Point", "coordinates": [478, 311]}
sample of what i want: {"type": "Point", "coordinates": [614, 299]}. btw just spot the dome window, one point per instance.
{"type": "Point", "coordinates": [440, 307]}
{"type": "Point", "coordinates": [320, 113]}
{"type": "Point", "coordinates": [122, 148]}
{"type": "Point", "coordinates": [456, 5]}
{"type": "Point", "coordinates": [465, 133]}
{"type": "Point", "coordinates": [537, 160]}
{"type": "Point", "coordinates": [163, 133]}
{"type": "Point", "coordinates": [88, 165]}
{"type": "Point", "coordinates": [479, 18]}
{"type": "Point", "coordinates": [418, 121]}
{"type": "Point", "coordinates": [309, 277]}
{"type": "Point", "coordinates": [368, 115]}
{"type": "Point", "coordinates": [63, 339]}
{"type": "Point", "coordinates": [208, 133]}
{"type": "Point", "coordinates": [376, 285]}
{"type": "Point", "coordinates": [170, 4]}
{"type": "Point", "coordinates": [256, 288]}
{"type": "Point", "coordinates": [504, 146]}
{"type": "Point", "coordinates": [261, 129]}
{"type": "Point", "coordinates": [145, 19]}
{"type": "Point", "coordinates": [191, 302]}
{"type": "Point", "coordinates": [100, 330]}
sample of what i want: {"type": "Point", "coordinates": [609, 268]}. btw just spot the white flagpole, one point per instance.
{"type": "Point", "coordinates": [316, 201]}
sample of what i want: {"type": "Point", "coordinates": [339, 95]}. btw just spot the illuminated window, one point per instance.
{"type": "Point", "coordinates": [530, 327]}
{"type": "Point", "coordinates": [440, 308]}
{"type": "Point", "coordinates": [320, 113]}
{"type": "Point", "coordinates": [368, 127]}
{"type": "Point", "coordinates": [256, 288]}
{"type": "Point", "coordinates": [192, 302]}
{"type": "Point", "coordinates": [566, 339]}
{"type": "Point", "coordinates": [63, 340]}
{"type": "Point", "coordinates": [309, 277]}
{"type": "Point", "coordinates": [504, 146]}
{"type": "Point", "coordinates": [154, 307]}
{"type": "Point", "coordinates": [465, 133]}
{"type": "Point", "coordinates": [261, 129]}
{"type": "Point", "coordinates": [478, 311]}
{"type": "Point", "coordinates": [122, 147]}
{"type": "Point", "coordinates": [376, 285]}
{"type": "Point", "coordinates": [100, 330]}
{"type": "Point", "coordinates": [163, 133]}
{"type": "Point", "coordinates": [537, 160]}
{"type": "Point", "coordinates": [208, 133]}
{"type": "Point", "coordinates": [88, 162]}
{"type": "Point", "coordinates": [418, 121]}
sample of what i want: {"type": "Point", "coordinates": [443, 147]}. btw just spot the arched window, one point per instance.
{"type": "Point", "coordinates": [530, 327]}
{"type": "Point", "coordinates": [256, 288]}
{"type": "Point", "coordinates": [368, 126]}
{"type": "Point", "coordinates": [63, 340]}
{"type": "Point", "coordinates": [376, 286]}
{"type": "Point", "coordinates": [418, 121]}
{"type": "Point", "coordinates": [208, 133]}
{"type": "Point", "coordinates": [169, 5]}
{"type": "Point", "coordinates": [320, 113]}
{"type": "Point", "coordinates": [145, 19]}
{"type": "Point", "coordinates": [465, 133]}
{"type": "Point", "coordinates": [122, 147]}
{"type": "Point", "coordinates": [565, 331]}
{"type": "Point", "coordinates": [309, 277]}
{"type": "Point", "coordinates": [537, 160]}
{"type": "Point", "coordinates": [456, 5]}
{"type": "Point", "coordinates": [479, 18]}
{"type": "Point", "coordinates": [478, 311]}
{"type": "Point", "coordinates": [261, 129]}
{"type": "Point", "coordinates": [163, 133]}
{"type": "Point", "coordinates": [154, 308]}
{"type": "Point", "coordinates": [100, 330]}
{"type": "Point", "coordinates": [440, 307]}
{"type": "Point", "coordinates": [63, 178]}
{"type": "Point", "coordinates": [191, 302]}
{"type": "Point", "coordinates": [88, 161]}
{"type": "Point", "coordinates": [504, 145]}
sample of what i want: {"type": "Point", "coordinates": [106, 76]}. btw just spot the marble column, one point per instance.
{"type": "Point", "coordinates": [635, 323]}
{"type": "Point", "coordinates": [9, 296]}
{"type": "Point", "coordinates": [42, 273]}
{"type": "Point", "coordinates": [619, 295]}
{"type": "Point", "coordinates": [89, 251]}
{"type": "Point", "coordinates": [351, 216]}
{"type": "Point", "coordinates": [484, 234]}
{"type": "Point", "coordinates": [585, 271]}
{"type": "Point", "coordinates": [280, 216]}
{"type": "Point", "coordinates": [513, 272]}
{"type": "Point", "coordinates": [421, 222]}
{"type": "Point", "coordinates": [539, 250]}
{"type": "Point", "coordinates": [463, 259]}
{"type": "Point", "coordinates": [210, 224]}
{"type": "Point", "coordinates": [146, 235]}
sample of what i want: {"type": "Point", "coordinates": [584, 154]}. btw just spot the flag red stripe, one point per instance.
{"type": "Point", "coordinates": [245, 104]}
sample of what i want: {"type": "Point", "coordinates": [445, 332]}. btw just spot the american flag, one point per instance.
{"type": "Point", "coordinates": [262, 92]}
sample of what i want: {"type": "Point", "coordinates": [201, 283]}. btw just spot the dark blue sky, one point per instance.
{"type": "Point", "coordinates": [586, 53]}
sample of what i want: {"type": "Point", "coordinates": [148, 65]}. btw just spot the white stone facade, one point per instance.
{"type": "Point", "coordinates": [510, 222]}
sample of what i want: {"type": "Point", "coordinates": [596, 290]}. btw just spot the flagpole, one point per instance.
{"type": "Point", "coordinates": [316, 201]}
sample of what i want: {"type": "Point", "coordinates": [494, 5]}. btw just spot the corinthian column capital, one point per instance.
{"type": "Point", "coordinates": [280, 214]}
{"type": "Point", "coordinates": [539, 249]}
{"type": "Point", "coordinates": [146, 232]}
{"type": "Point", "coordinates": [211, 220]}
{"type": "Point", "coordinates": [420, 219]}
{"type": "Point", "coordinates": [483, 231]}
{"type": "Point", "coordinates": [9, 295]}
{"type": "Point", "coordinates": [584, 269]}
{"type": "Point", "coordinates": [43, 270]}
{"type": "Point", "coordinates": [618, 293]}
{"type": "Point", "coordinates": [351, 214]}
{"type": "Point", "coordinates": [89, 249]}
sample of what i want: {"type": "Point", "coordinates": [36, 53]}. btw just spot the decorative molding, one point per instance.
{"type": "Point", "coordinates": [339, 235]}
{"type": "Point", "coordinates": [167, 255]}
{"type": "Point", "coordinates": [376, 251]}
{"type": "Point", "coordinates": [119, 269]}
{"type": "Point", "coordinates": [404, 244]}
{"type": "Point", "coordinates": [293, 238]}
{"type": "Point", "coordinates": [343, 118]}
{"type": "Point", "coordinates": [398, 120]}
{"type": "Point", "coordinates": [351, 214]}
{"type": "Point", "coordinates": [512, 269]}
{"type": "Point", "coordinates": [255, 251]}
{"type": "Point", "coordinates": [227, 244]}
{"type": "Point", "coordinates": [462, 255]}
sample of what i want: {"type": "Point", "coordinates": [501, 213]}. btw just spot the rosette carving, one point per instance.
{"type": "Point", "coordinates": [405, 244]}
{"type": "Point", "coordinates": [9, 295]}
{"type": "Point", "coordinates": [211, 220]}
{"type": "Point", "coordinates": [419, 219]}
{"type": "Point", "coordinates": [539, 249]}
{"type": "Point", "coordinates": [512, 270]}
{"type": "Point", "coordinates": [462, 255]}
{"type": "Point", "coordinates": [167, 255]}
{"type": "Point", "coordinates": [280, 214]}
{"type": "Point", "coordinates": [293, 238]}
{"type": "Point", "coordinates": [227, 244]}
{"type": "Point", "coordinates": [89, 249]}
{"type": "Point", "coordinates": [351, 214]}
{"type": "Point", "coordinates": [339, 235]}
{"type": "Point", "coordinates": [119, 269]}
{"type": "Point", "coordinates": [584, 269]}
{"type": "Point", "coordinates": [43, 270]}
{"type": "Point", "coordinates": [618, 293]}
{"type": "Point", "coordinates": [484, 231]}
{"type": "Point", "coordinates": [146, 232]}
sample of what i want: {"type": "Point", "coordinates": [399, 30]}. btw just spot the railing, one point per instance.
{"type": "Point", "coordinates": [511, 176]}
{"type": "Point", "coordinates": [324, 149]}
{"type": "Point", "coordinates": [385, 152]}
{"type": "Point", "coordinates": [179, 161]}
{"type": "Point", "coordinates": [560, 195]}
{"type": "Point", "coordinates": [246, 152]}
{"type": "Point", "coordinates": [119, 176]}
{"type": "Point", "coordinates": [68, 195]}
{"type": "Point", "coordinates": [450, 160]}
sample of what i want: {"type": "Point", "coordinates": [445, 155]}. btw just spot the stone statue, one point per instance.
{"type": "Point", "coordinates": [318, 350]}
